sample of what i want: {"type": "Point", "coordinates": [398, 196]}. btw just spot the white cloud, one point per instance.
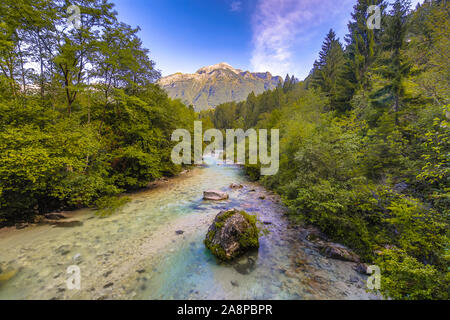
{"type": "Point", "coordinates": [280, 25]}
{"type": "Point", "coordinates": [236, 6]}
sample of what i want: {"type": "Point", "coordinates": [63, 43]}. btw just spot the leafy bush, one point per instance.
{"type": "Point", "coordinates": [405, 278]}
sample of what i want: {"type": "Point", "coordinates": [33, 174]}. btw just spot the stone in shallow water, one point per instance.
{"type": "Point", "coordinates": [22, 226]}
{"type": "Point", "coordinates": [108, 285]}
{"type": "Point", "coordinates": [313, 234]}
{"type": "Point", "coordinates": [55, 216]}
{"type": "Point", "coordinates": [361, 268]}
{"type": "Point", "coordinates": [77, 257]}
{"type": "Point", "coordinates": [354, 279]}
{"type": "Point", "coordinates": [67, 224]}
{"type": "Point", "coordinates": [63, 250]}
{"type": "Point", "coordinates": [339, 252]}
{"type": "Point", "coordinates": [7, 275]}
{"type": "Point", "coordinates": [215, 195]}
{"type": "Point", "coordinates": [232, 233]}
{"type": "Point", "coordinates": [245, 266]}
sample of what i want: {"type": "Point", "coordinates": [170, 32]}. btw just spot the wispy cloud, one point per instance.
{"type": "Point", "coordinates": [236, 6]}
{"type": "Point", "coordinates": [280, 25]}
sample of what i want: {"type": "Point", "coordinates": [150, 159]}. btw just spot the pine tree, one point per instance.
{"type": "Point", "coordinates": [287, 83]}
{"type": "Point", "coordinates": [393, 65]}
{"type": "Point", "coordinates": [319, 65]}
{"type": "Point", "coordinates": [294, 80]}
{"type": "Point", "coordinates": [328, 68]}
{"type": "Point", "coordinates": [362, 44]}
{"type": "Point", "coordinates": [326, 47]}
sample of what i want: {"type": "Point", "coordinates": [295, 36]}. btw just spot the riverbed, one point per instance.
{"type": "Point", "coordinates": [152, 248]}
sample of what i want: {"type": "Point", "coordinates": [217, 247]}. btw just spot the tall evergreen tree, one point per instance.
{"type": "Point", "coordinates": [361, 44]}
{"type": "Point", "coordinates": [393, 64]}
{"type": "Point", "coordinates": [328, 68]}
{"type": "Point", "coordinates": [287, 83]}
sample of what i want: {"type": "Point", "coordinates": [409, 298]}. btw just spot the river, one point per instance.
{"type": "Point", "coordinates": [136, 253]}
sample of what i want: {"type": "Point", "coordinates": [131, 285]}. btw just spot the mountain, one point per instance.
{"type": "Point", "coordinates": [216, 84]}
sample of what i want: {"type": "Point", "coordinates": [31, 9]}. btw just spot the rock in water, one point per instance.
{"type": "Point", "coordinates": [339, 252]}
{"type": "Point", "coordinates": [7, 275]}
{"type": "Point", "coordinates": [215, 195]}
{"type": "Point", "coordinates": [330, 249]}
{"type": "Point", "coordinates": [55, 216]}
{"type": "Point", "coordinates": [66, 224]}
{"type": "Point", "coordinates": [362, 268]}
{"type": "Point", "coordinates": [232, 233]}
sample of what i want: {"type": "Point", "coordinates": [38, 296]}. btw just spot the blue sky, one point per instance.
{"type": "Point", "coordinates": [280, 36]}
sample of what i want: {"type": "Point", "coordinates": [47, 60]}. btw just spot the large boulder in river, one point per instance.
{"type": "Point", "coordinates": [232, 233]}
{"type": "Point", "coordinates": [215, 195]}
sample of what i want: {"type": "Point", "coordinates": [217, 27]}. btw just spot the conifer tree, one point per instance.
{"type": "Point", "coordinates": [393, 64]}
{"type": "Point", "coordinates": [328, 68]}
{"type": "Point", "coordinates": [287, 83]}
{"type": "Point", "coordinates": [362, 42]}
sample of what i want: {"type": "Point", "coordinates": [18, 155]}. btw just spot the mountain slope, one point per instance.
{"type": "Point", "coordinates": [216, 84]}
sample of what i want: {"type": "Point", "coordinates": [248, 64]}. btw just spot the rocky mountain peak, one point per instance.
{"type": "Point", "coordinates": [216, 84]}
{"type": "Point", "coordinates": [219, 66]}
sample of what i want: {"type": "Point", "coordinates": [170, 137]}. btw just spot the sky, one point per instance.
{"type": "Point", "coordinates": [279, 36]}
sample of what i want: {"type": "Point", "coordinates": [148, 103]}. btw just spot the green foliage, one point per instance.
{"type": "Point", "coordinates": [405, 278]}
{"type": "Point", "coordinates": [107, 206]}
{"type": "Point", "coordinates": [253, 171]}
{"type": "Point", "coordinates": [435, 171]}
{"type": "Point", "coordinates": [428, 48]}
{"type": "Point", "coordinates": [419, 231]}
{"type": "Point", "coordinates": [248, 113]}
{"type": "Point", "coordinates": [65, 142]}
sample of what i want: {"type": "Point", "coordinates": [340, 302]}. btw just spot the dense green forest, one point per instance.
{"type": "Point", "coordinates": [364, 143]}
{"type": "Point", "coordinates": [81, 119]}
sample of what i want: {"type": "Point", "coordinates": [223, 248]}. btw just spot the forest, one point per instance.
{"type": "Point", "coordinates": [364, 143]}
